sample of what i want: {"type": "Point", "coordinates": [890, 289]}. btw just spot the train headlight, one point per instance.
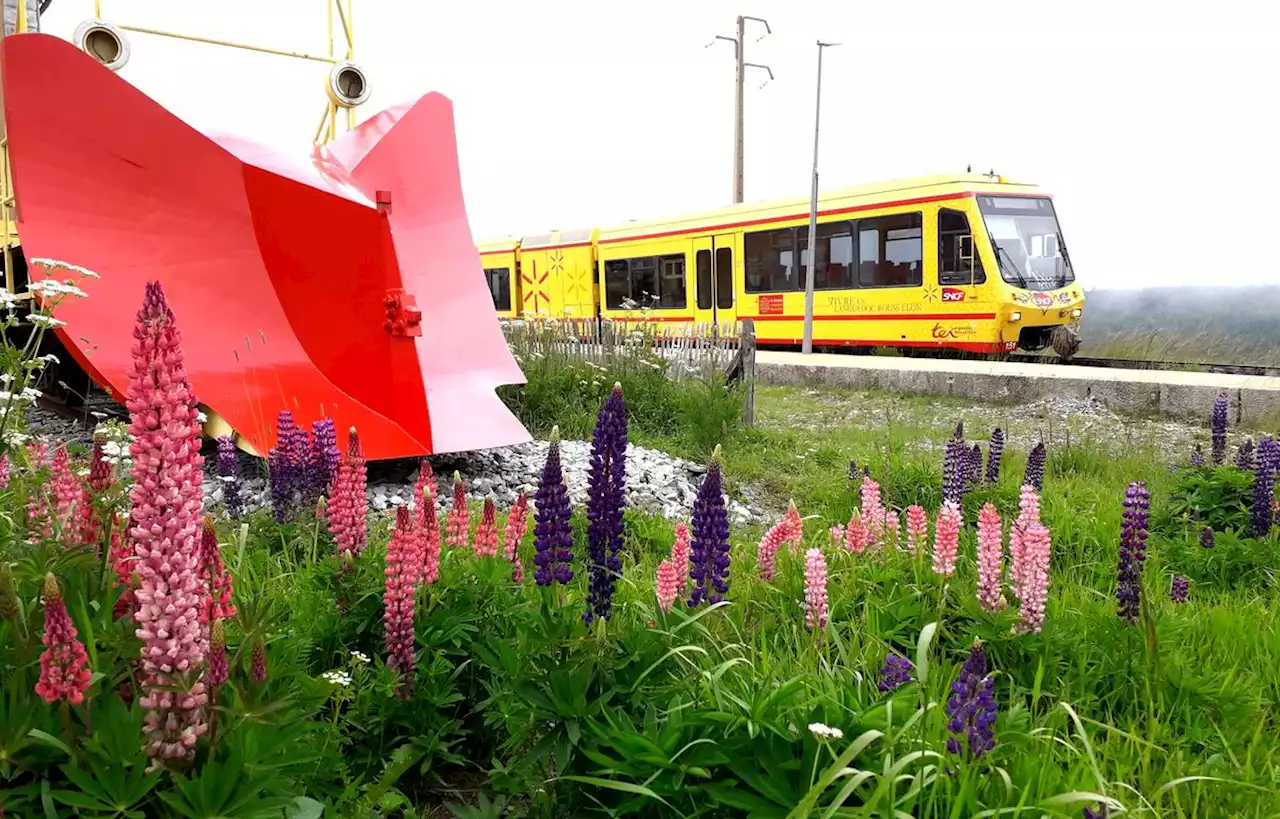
{"type": "Point", "coordinates": [1076, 313]}
{"type": "Point", "coordinates": [1015, 316]}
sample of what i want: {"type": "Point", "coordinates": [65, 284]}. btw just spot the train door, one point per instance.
{"type": "Point", "coordinates": [713, 265]}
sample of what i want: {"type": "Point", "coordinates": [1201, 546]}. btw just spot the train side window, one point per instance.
{"type": "Point", "coordinates": [654, 282]}
{"type": "Point", "coordinates": [770, 261]}
{"type": "Point", "coordinates": [724, 277]}
{"type": "Point", "coordinates": [702, 268]}
{"type": "Point", "coordinates": [958, 259]}
{"type": "Point", "coordinates": [499, 281]}
{"type": "Point", "coordinates": [834, 269]}
{"type": "Point", "coordinates": [891, 251]}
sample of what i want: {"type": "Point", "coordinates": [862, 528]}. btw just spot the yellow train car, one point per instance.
{"type": "Point", "coordinates": [557, 275]}
{"type": "Point", "coordinates": [974, 262]}
{"type": "Point", "coordinates": [501, 261]}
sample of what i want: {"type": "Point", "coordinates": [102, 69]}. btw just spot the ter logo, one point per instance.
{"type": "Point", "coordinates": [952, 294]}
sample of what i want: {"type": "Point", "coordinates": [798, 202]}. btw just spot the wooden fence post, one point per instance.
{"type": "Point", "coordinates": [747, 340]}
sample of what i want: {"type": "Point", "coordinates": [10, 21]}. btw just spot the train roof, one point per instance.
{"type": "Point", "coordinates": [505, 243]}
{"type": "Point", "coordinates": [795, 207]}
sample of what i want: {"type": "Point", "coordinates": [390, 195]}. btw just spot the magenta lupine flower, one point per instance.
{"type": "Point", "coordinates": [425, 493]}
{"type": "Point", "coordinates": [66, 490]}
{"type": "Point", "coordinates": [258, 661]}
{"type": "Point", "coordinates": [917, 528]}
{"type": "Point", "coordinates": [101, 473]}
{"type": "Point", "coordinates": [4, 471]}
{"type": "Point", "coordinates": [1028, 515]}
{"type": "Point", "coordinates": [38, 454]}
{"type": "Point", "coordinates": [215, 576]}
{"type": "Point", "coordinates": [486, 539]}
{"type": "Point", "coordinates": [229, 474]}
{"type": "Point", "coordinates": [680, 553]}
{"type": "Point", "coordinates": [517, 525]}
{"type": "Point", "coordinates": [427, 523]}
{"type": "Point", "coordinates": [855, 534]}
{"type": "Point", "coordinates": [872, 512]}
{"type": "Point", "coordinates": [1035, 578]}
{"type": "Point", "coordinates": [322, 459]}
{"type": "Point", "coordinates": [990, 558]}
{"type": "Point", "coordinates": [217, 655]}
{"type": "Point", "coordinates": [348, 508]}
{"type": "Point", "coordinates": [283, 468]}
{"type": "Point", "coordinates": [946, 539]}
{"type": "Point", "coordinates": [995, 451]}
{"type": "Point", "coordinates": [767, 550]}
{"type": "Point", "coordinates": [1219, 429]}
{"type": "Point", "coordinates": [398, 599]}
{"type": "Point", "coordinates": [709, 554]}
{"type": "Point", "coordinates": [1179, 589]}
{"type": "Point", "coordinates": [1133, 550]}
{"type": "Point", "coordinates": [667, 584]}
{"type": "Point", "coordinates": [815, 589]}
{"type": "Point", "coordinates": [64, 671]}
{"type": "Point", "coordinates": [458, 523]}
{"type": "Point", "coordinates": [165, 504]}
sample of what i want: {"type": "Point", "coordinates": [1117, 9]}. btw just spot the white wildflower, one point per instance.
{"type": "Point", "coordinates": [825, 732]}
{"type": "Point", "coordinates": [341, 678]}
{"type": "Point", "coordinates": [55, 264]}
{"type": "Point", "coordinates": [42, 320]}
{"type": "Point", "coordinates": [360, 657]}
{"type": "Point", "coordinates": [201, 417]}
{"type": "Point", "coordinates": [53, 287]}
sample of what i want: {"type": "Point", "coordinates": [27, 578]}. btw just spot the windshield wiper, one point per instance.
{"type": "Point", "coordinates": [1002, 259]}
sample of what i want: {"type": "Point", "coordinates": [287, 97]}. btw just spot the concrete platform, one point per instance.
{"type": "Point", "coordinates": [1188, 396]}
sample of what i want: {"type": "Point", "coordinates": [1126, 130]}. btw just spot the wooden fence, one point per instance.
{"type": "Point", "coordinates": [691, 350]}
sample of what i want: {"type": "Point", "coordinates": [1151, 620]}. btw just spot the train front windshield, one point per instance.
{"type": "Point", "coordinates": [1027, 241]}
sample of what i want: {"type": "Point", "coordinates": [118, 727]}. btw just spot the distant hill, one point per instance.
{"type": "Point", "coordinates": [1234, 325]}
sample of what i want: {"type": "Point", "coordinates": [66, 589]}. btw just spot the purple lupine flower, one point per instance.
{"type": "Point", "coordinates": [282, 469]}
{"type": "Point", "coordinates": [1133, 550]}
{"type": "Point", "coordinates": [606, 496]}
{"type": "Point", "coordinates": [1206, 537]}
{"type": "Point", "coordinates": [1034, 475]}
{"type": "Point", "coordinates": [552, 530]}
{"type": "Point", "coordinates": [1102, 812]}
{"type": "Point", "coordinates": [322, 460]}
{"type": "Point", "coordinates": [972, 706]}
{"type": "Point", "coordinates": [954, 460]}
{"type": "Point", "coordinates": [1179, 589]}
{"type": "Point", "coordinates": [709, 552]}
{"type": "Point", "coordinates": [1268, 460]}
{"type": "Point", "coordinates": [973, 471]}
{"type": "Point", "coordinates": [895, 673]}
{"type": "Point", "coordinates": [1197, 456]}
{"type": "Point", "coordinates": [300, 456]}
{"type": "Point", "coordinates": [1244, 455]}
{"type": "Point", "coordinates": [854, 472]}
{"type": "Point", "coordinates": [229, 472]}
{"type": "Point", "coordinates": [995, 450]}
{"type": "Point", "coordinates": [1219, 429]}
{"type": "Point", "coordinates": [959, 433]}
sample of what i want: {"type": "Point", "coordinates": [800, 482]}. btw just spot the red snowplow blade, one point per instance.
{"type": "Point", "coordinates": [292, 286]}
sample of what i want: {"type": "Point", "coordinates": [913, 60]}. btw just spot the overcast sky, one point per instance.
{"type": "Point", "coordinates": [1153, 122]}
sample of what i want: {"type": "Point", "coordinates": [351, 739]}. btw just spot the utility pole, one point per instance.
{"type": "Point", "coordinates": [807, 347]}
{"type": "Point", "coordinates": [740, 55]}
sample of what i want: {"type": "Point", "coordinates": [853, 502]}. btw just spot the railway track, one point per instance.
{"type": "Point", "coordinates": [1135, 364]}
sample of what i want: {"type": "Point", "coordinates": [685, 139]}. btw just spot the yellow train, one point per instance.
{"type": "Point", "coordinates": [974, 262]}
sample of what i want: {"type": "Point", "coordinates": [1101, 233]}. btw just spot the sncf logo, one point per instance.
{"type": "Point", "coordinates": [1042, 300]}
{"type": "Point", "coordinates": [952, 294]}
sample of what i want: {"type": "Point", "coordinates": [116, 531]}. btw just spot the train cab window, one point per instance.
{"type": "Point", "coordinates": [834, 268]}
{"type": "Point", "coordinates": [770, 257]}
{"type": "Point", "coordinates": [653, 282]}
{"type": "Point", "coordinates": [499, 281]}
{"type": "Point", "coordinates": [958, 259]}
{"type": "Point", "coordinates": [891, 251]}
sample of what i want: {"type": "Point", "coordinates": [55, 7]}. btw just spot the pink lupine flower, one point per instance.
{"type": "Point", "coordinates": [680, 553]}
{"type": "Point", "coordinates": [946, 538]}
{"type": "Point", "coordinates": [64, 672]}
{"type": "Point", "coordinates": [891, 526]}
{"type": "Point", "coordinates": [667, 585]}
{"type": "Point", "coordinates": [873, 512]}
{"type": "Point", "coordinates": [795, 525]}
{"type": "Point", "coordinates": [425, 487]}
{"type": "Point", "coordinates": [767, 550]}
{"type": "Point", "coordinates": [39, 524]}
{"type": "Point", "coordinates": [4, 471]}
{"type": "Point", "coordinates": [348, 509]}
{"type": "Point", "coordinates": [837, 537]}
{"type": "Point", "coordinates": [855, 534]}
{"type": "Point", "coordinates": [38, 453]}
{"type": "Point", "coordinates": [1028, 515]}
{"type": "Point", "coordinates": [165, 503]}
{"type": "Point", "coordinates": [990, 559]}
{"type": "Point", "coordinates": [122, 559]}
{"type": "Point", "coordinates": [66, 489]}
{"type": "Point", "coordinates": [1035, 577]}
{"type": "Point", "coordinates": [517, 525]}
{"type": "Point", "coordinates": [485, 543]}
{"type": "Point", "coordinates": [917, 528]}
{"type": "Point", "coordinates": [458, 523]}
{"type": "Point", "coordinates": [86, 523]}
{"type": "Point", "coordinates": [101, 473]}
{"type": "Point", "coordinates": [217, 654]}
{"type": "Point", "coordinates": [815, 589]}
{"type": "Point", "coordinates": [216, 578]}
{"type": "Point", "coordinates": [430, 535]}
{"type": "Point", "coordinates": [398, 599]}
